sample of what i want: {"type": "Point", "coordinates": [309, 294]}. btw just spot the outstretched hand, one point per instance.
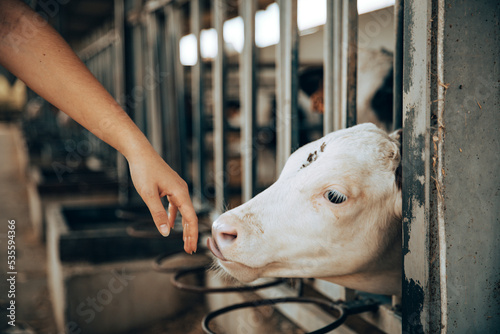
{"type": "Point", "coordinates": [46, 63]}
{"type": "Point", "coordinates": [154, 179]}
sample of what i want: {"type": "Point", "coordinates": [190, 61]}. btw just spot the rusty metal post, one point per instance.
{"type": "Point", "coordinates": [451, 167]}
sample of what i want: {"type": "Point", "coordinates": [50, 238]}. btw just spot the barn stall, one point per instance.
{"type": "Point", "coordinates": [226, 113]}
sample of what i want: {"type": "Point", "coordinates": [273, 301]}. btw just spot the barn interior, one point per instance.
{"type": "Point", "coordinates": [89, 258]}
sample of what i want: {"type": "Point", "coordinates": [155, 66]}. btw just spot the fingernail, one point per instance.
{"type": "Point", "coordinates": [164, 230]}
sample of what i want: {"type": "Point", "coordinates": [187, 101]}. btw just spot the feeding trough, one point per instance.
{"type": "Point", "coordinates": [101, 278]}
{"type": "Point", "coordinates": [67, 186]}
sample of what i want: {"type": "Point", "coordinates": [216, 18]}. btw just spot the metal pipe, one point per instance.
{"type": "Point", "coordinates": [197, 101]}
{"type": "Point", "coordinates": [332, 118]}
{"type": "Point", "coordinates": [167, 83]}
{"type": "Point", "coordinates": [219, 82]}
{"type": "Point", "coordinates": [150, 85]}
{"type": "Point", "coordinates": [138, 89]}
{"type": "Point", "coordinates": [337, 67]}
{"type": "Point", "coordinates": [248, 88]}
{"type": "Point", "coordinates": [351, 10]}
{"type": "Point", "coordinates": [287, 80]}
{"type": "Point", "coordinates": [328, 73]}
{"type": "Point", "coordinates": [99, 44]}
{"type": "Point", "coordinates": [173, 21]}
{"type": "Point", "coordinates": [397, 111]}
{"type": "Point", "coordinates": [119, 85]}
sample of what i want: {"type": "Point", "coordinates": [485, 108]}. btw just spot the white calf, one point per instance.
{"type": "Point", "coordinates": [334, 214]}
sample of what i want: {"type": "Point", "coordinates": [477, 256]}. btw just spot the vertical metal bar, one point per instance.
{"type": "Point", "coordinates": [328, 74]}
{"type": "Point", "coordinates": [397, 113]}
{"type": "Point", "coordinates": [416, 183]}
{"type": "Point", "coordinates": [173, 20]}
{"type": "Point", "coordinates": [332, 71]}
{"type": "Point", "coordinates": [343, 63]}
{"type": "Point", "coordinates": [279, 96]}
{"type": "Point", "coordinates": [150, 84]}
{"type": "Point", "coordinates": [351, 9]}
{"type": "Point", "coordinates": [170, 136]}
{"type": "Point", "coordinates": [287, 75]}
{"type": "Point", "coordinates": [248, 98]}
{"type": "Point", "coordinates": [338, 113]}
{"type": "Point", "coordinates": [219, 83]}
{"type": "Point", "coordinates": [197, 100]}
{"type": "Point", "coordinates": [138, 89]}
{"type": "Point", "coordinates": [119, 86]}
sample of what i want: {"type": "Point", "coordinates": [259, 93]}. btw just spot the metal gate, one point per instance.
{"type": "Point", "coordinates": [446, 85]}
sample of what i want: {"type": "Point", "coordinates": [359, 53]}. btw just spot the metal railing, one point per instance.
{"type": "Point", "coordinates": [156, 28]}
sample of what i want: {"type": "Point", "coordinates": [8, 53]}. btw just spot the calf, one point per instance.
{"type": "Point", "coordinates": [333, 214]}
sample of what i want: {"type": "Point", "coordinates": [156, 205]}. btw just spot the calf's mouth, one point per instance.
{"type": "Point", "coordinates": [214, 248]}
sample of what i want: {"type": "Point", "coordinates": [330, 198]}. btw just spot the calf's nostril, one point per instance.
{"type": "Point", "coordinates": [224, 234]}
{"type": "Point", "coordinates": [229, 236]}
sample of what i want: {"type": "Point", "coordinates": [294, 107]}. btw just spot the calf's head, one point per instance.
{"type": "Point", "coordinates": [334, 213]}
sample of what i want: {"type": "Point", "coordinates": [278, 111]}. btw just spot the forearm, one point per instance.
{"type": "Point", "coordinates": [43, 60]}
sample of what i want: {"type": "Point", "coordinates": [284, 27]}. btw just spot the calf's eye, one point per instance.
{"type": "Point", "coordinates": [335, 197]}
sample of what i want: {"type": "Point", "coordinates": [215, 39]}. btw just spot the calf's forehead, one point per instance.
{"type": "Point", "coordinates": [341, 150]}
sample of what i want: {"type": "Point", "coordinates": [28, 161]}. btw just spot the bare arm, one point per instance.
{"type": "Point", "coordinates": [37, 54]}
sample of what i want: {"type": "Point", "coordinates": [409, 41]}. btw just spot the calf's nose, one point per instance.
{"type": "Point", "coordinates": [224, 234]}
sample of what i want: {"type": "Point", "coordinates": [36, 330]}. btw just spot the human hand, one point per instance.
{"type": "Point", "coordinates": [154, 179]}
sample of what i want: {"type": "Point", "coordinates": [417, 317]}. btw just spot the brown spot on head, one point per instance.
{"type": "Point", "coordinates": [322, 148]}
{"type": "Point", "coordinates": [310, 159]}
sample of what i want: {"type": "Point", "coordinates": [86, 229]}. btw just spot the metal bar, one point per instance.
{"type": "Point", "coordinates": [328, 72]}
{"type": "Point", "coordinates": [170, 131]}
{"type": "Point", "coordinates": [151, 85]}
{"type": "Point", "coordinates": [173, 21]}
{"type": "Point", "coordinates": [152, 6]}
{"type": "Point", "coordinates": [119, 86]}
{"type": "Point", "coordinates": [351, 9]}
{"type": "Point", "coordinates": [137, 92]}
{"type": "Point", "coordinates": [397, 113]}
{"type": "Point", "coordinates": [416, 174]}
{"type": "Point", "coordinates": [332, 73]}
{"type": "Point", "coordinates": [98, 45]}
{"type": "Point", "coordinates": [287, 80]}
{"type": "Point", "coordinates": [248, 88]}
{"type": "Point", "coordinates": [197, 100]}
{"type": "Point", "coordinates": [219, 83]}
{"type": "Point", "coordinates": [338, 113]}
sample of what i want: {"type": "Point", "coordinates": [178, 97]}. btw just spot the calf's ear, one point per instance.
{"type": "Point", "coordinates": [397, 137]}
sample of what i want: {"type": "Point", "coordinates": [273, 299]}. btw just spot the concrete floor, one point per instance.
{"type": "Point", "coordinates": [33, 306]}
